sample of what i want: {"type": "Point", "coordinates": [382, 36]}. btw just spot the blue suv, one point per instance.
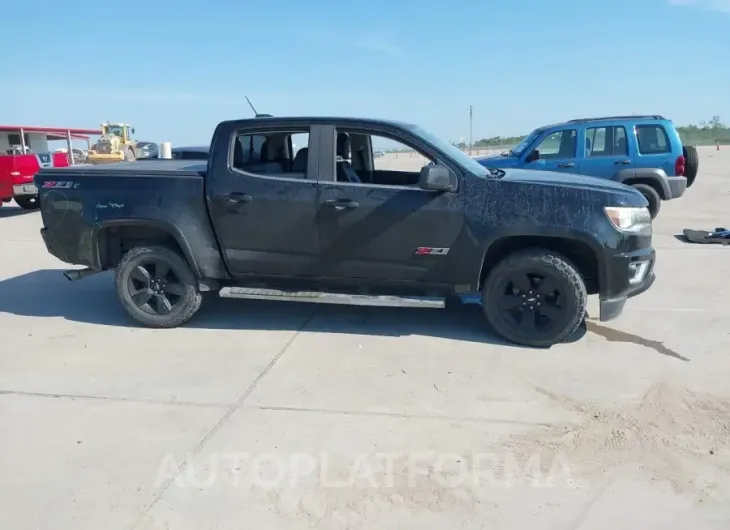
{"type": "Point", "coordinates": [644, 152]}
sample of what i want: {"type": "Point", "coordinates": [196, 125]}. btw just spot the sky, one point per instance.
{"type": "Point", "coordinates": [174, 69]}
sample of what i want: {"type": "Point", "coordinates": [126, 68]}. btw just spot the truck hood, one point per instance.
{"type": "Point", "coordinates": [498, 161]}
{"type": "Point", "coordinates": [570, 180]}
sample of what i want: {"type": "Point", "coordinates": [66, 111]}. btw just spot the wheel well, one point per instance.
{"type": "Point", "coordinates": [649, 182]}
{"type": "Point", "coordinates": [578, 252]}
{"type": "Point", "coordinates": [115, 241]}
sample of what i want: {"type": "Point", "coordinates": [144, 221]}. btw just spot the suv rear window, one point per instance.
{"type": "Point", "coordinates": [652, 139]}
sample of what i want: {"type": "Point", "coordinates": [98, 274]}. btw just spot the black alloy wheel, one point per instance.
{"type": "Point", "coordinates": [535, 298]}
{"type": "Point", "coordinates": [157, 287]}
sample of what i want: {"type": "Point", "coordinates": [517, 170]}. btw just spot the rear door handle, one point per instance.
{"type": "Point", "coordinates": [238, 197]}
{"type": "Point", "coordinates": [340, 204]}
{"type": "Point", "coordinates": [625, 162]}
{"type": "Point", "coordinates": [569, 164]}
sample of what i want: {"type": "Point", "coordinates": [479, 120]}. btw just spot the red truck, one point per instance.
{"type": "Point", "coordinates": [24, 151]}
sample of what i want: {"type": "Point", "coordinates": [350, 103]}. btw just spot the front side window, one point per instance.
{"type": "Point", "coordinates": [366, 158]}
{"type": "Point", "coordinates": [559, 144]}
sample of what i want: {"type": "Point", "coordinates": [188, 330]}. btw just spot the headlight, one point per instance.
{"type": "Point", "coordinates": [630, 220]}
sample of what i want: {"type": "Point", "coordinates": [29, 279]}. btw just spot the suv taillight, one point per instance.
{"type": "Point", "coordinates": [679, 166]}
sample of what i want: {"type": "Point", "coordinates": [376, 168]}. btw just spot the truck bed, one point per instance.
{"type": "Point", "coordinates": [83, 205]}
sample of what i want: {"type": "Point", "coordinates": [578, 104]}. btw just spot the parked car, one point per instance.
{"type": "Point", "coordinates": [645, 152]}
{"type": "Point", "coordinates": [199, 152]}
{"type": "Point", "coordinates": [329, 225]}
{"type": "Point", "coordinates": [147, 150]}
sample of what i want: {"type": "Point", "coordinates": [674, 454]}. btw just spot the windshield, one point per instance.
{"type": "Point", "coordinates": [454, 152]}
{"type": "Point", "coordinates": [115, 131]}
{"type": "Point", "coordinates": [525, 143]}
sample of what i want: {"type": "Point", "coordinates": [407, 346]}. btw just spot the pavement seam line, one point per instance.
{"type": "Point", "coordinates": [233, 408]}
{"type": "Point", "coordinates": [400, 415]}
{"type": "Point", "coordinates": [56, 395]}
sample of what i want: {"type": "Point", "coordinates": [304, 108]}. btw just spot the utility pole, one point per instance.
{"type": "Point", "coordinates": [471, 130]}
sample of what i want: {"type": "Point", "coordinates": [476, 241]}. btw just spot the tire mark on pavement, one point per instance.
{"type": "Point", "coordinates": [199, 447]}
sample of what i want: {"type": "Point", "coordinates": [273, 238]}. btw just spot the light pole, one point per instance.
{"type": "Point", "coordinates": [471, 131]}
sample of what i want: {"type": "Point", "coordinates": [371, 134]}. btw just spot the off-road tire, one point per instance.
{"type": "Point", "coordinates": [28, 202]}
{"type": "Point", "coordinates": [655, 201]}
{"type": "Point", "coordinates": [691, 163]}
{"type": "Point", "coordinates": [544, 262]}
{"type": "Point", "coordinates": [129, 155]}
{"type": "Point", "coordinates": [189, 302]}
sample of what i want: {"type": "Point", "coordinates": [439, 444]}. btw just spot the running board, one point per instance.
{"type": "Point", "coordinates": [253, 293]}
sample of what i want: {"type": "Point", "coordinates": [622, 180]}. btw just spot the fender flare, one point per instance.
{"type": "Point", "coordinates": [646, 174]}
{"type": "Point", "coordinates": [159, 224]}
{"type": "Point", "coordinates": [563, 233]}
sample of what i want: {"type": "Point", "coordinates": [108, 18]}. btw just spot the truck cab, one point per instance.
{"type": "Point", "coordinates": [645, 152]}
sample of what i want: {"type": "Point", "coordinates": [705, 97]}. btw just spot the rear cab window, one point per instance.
{"type": "Point", "coordinates": [276, 153]}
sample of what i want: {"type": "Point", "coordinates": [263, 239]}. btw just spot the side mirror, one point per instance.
{"type": "Point", "coordinates": [534, 155]}
{"type": "Point", "coordinates": [437, 178]}
{"type": "Point", "coordinates": [132, 131]}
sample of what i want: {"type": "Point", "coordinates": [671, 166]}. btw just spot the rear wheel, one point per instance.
{"type": "Point", "coordinates": [28, 202]}
{"type": "Point", "coordinates": [534, 297]}
{"type": "Point", "coordinates": [691, 163]}
{"type": "Point", "coordinates": [157, 287]}
{"type": "Point", "coordinates": [655, 201]}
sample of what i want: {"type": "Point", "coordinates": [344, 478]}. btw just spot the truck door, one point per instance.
{"type": "Point", "coordinates": [263, 202]}
{"type": "Point", "coordinates": [606, 152]}
{"type": "Point", "coordinates": [558, 151]}
{"type": "Point", "coordinates": [375, 223]}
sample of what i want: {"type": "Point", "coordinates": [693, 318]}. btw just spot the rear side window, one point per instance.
{"type": "Point", "coordinates": [652, 139]}
{"type": "Point", "coordinates": [606, 141]}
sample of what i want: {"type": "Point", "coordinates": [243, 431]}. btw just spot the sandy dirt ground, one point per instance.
{"type": "Point", "coordinates": [264, 415]}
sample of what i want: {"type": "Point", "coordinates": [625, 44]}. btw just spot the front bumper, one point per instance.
{"type": "Point", "coordinates": [631, 275]}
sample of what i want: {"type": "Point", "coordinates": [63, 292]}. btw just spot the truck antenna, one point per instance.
{"type": "Point", "coordinates": [251, 105]}
{"type": "Point", "coordinates": [256, 114]}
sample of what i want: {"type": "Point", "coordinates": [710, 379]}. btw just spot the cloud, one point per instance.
{"type": "Point", "coordinates": [375, 42]}
{"type": "Point", "coordinates": [713, 5]}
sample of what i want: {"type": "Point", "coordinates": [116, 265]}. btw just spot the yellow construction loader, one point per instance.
{"type": "Point", "coordinates": [114, 145]}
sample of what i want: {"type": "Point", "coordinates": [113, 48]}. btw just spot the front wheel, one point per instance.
{"type": "Point", "coordinates": [129, 155]}
{"type": "Point", "coordinates": [157, 287]}
{"type": "Point", "coordinates": [535, 298]}
{"type": "Point", "coordinates": [28, 202]}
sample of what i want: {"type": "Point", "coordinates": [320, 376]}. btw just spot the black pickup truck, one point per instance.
{"type": "Point", "coordinates": [301, 209]}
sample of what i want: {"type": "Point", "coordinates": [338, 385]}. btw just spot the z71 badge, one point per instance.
{"type": "Point", "coordinates": [431, 251]}
{"type": "Point", "coordinates": [60, 184]}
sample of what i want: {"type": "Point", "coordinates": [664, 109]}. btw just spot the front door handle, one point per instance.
{"type": "Point", "coordinates": [569, 164]}
{"type": "Point", "coordinates": [340, 204]}
{"type": "Point", "coordinates": [237, 197]}
{"type": "Point", "coordinates": [624, 162]}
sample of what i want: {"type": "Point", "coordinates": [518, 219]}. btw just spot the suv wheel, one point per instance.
{"type": "Point", "coordinates": [655, 201]}
{"type": "Point", "coordinates": [534, 297]}
{"type": "Point", "coordinates": [157, 287]}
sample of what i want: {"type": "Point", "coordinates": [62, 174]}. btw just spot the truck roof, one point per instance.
{"type": "Point", "coordinates": [324, 119]}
